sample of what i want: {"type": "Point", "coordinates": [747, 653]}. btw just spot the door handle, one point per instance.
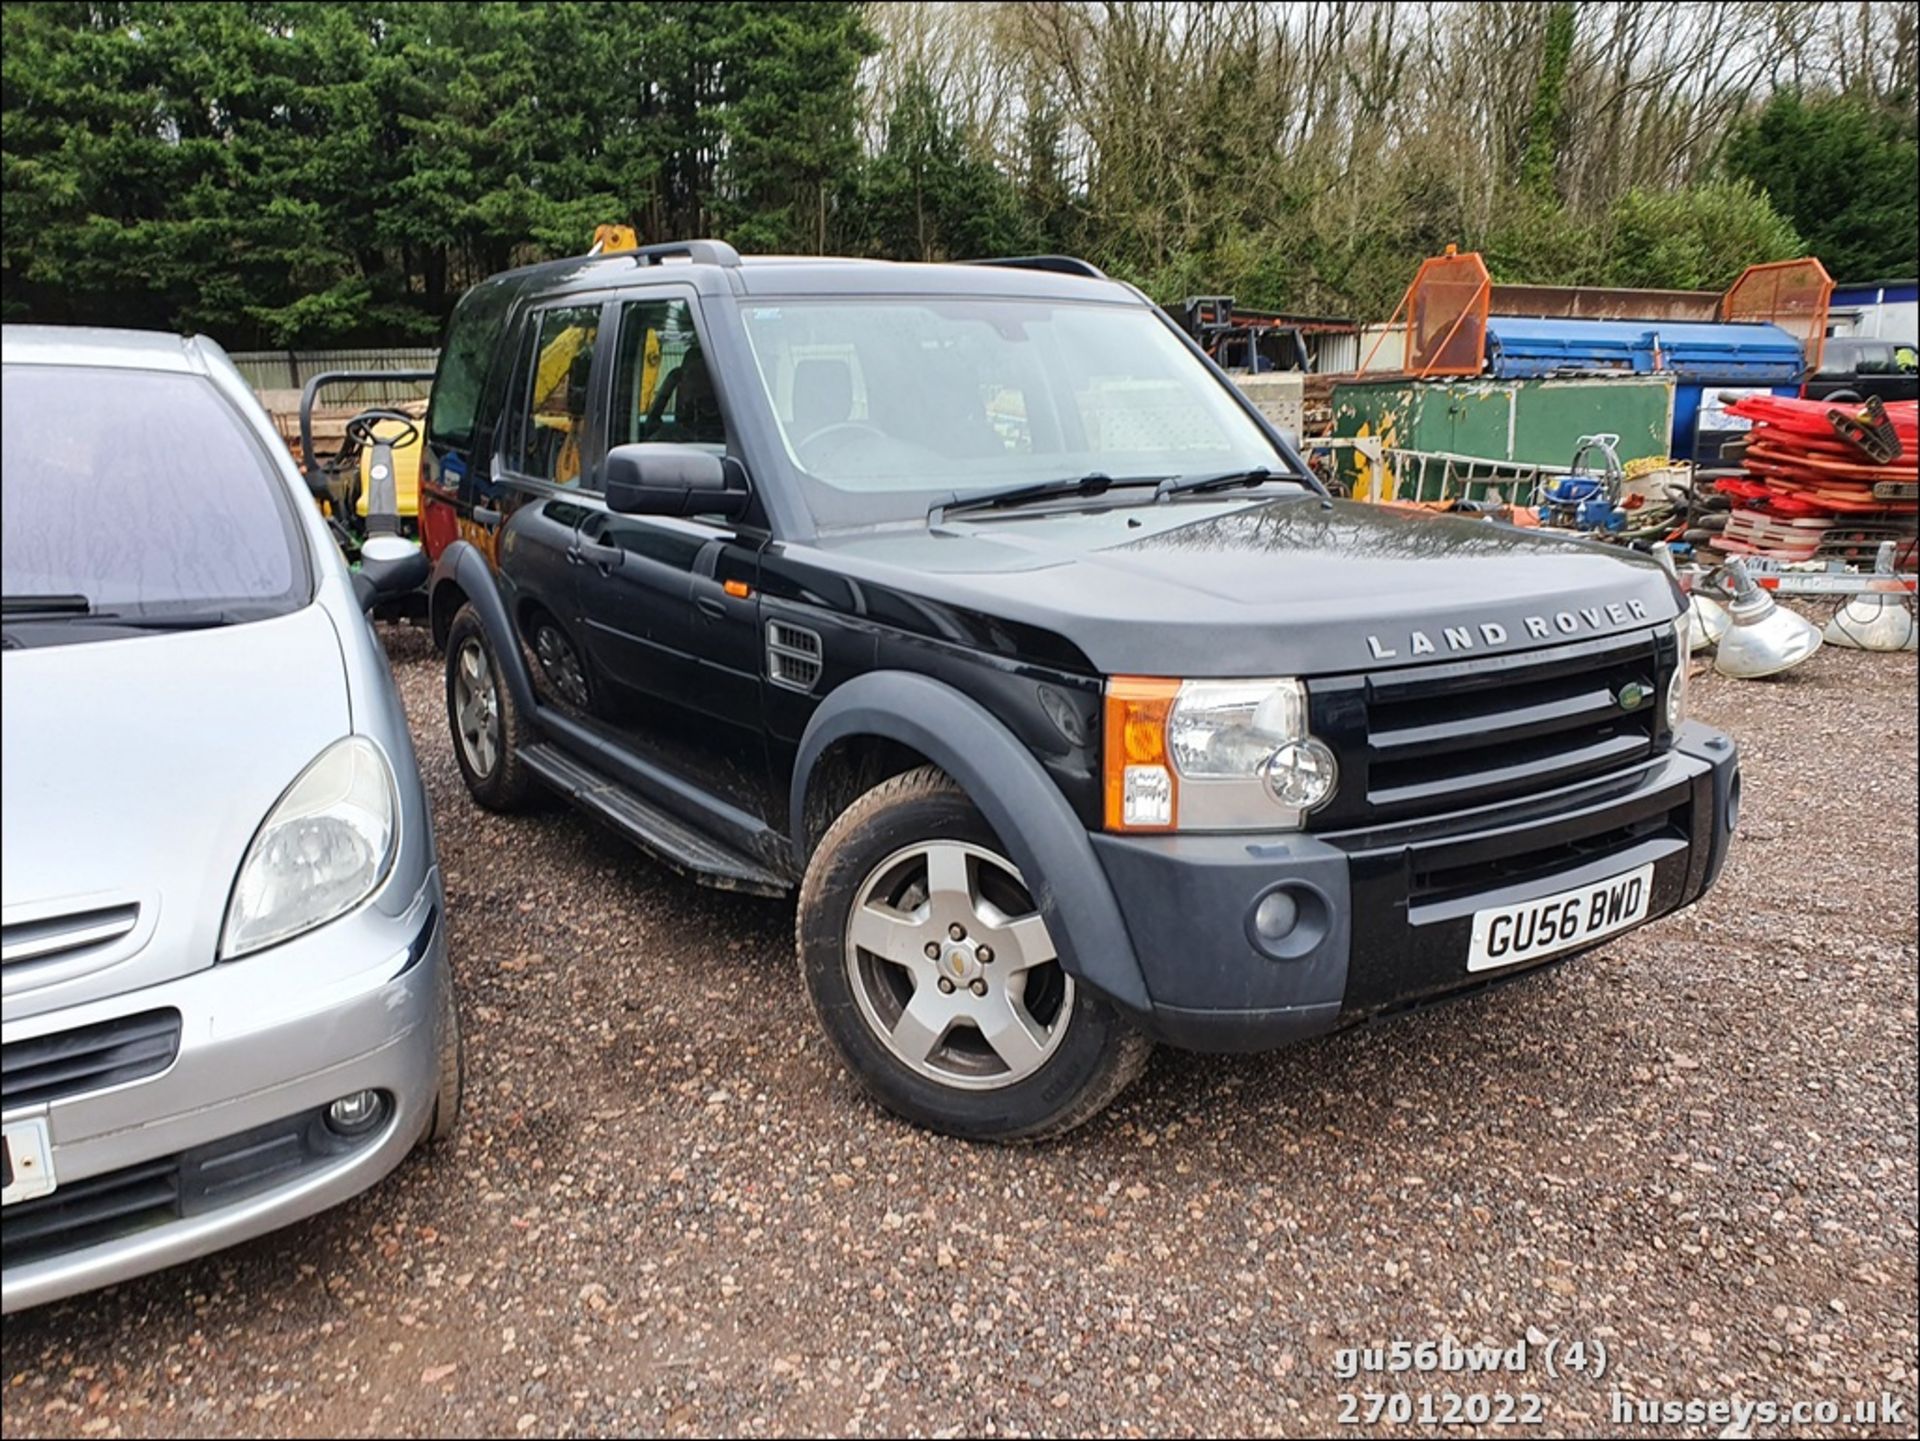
{"type": "Point", "coordinates": [586, 552]}
{"type": "Point", "coordinates": [711, 605]}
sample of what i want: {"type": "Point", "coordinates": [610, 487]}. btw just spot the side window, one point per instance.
{"type": "Point", "coordinates": [546, 423]}
{"type": "Point", "coordinates": [1876, 360]}
{"type": "Point", "coordinates": [662, 390]}
{"type": "Point", "coordinates": [472, 336]}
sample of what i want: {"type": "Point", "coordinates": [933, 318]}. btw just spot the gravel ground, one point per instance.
{"type": "Point", "coordinates": [669, 1211]}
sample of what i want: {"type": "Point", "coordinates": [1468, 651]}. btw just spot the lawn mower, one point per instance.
{"type": "Point", "coordinates": [371, 486]}
{"type": "Point", "coordinates": [372, 483]}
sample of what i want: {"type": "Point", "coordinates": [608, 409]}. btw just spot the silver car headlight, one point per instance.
{"type": "Point", "coordinates": [1212, 755]}
{"type": "Point", "coordinates": [326, 845]}
{"type": "Point", "coordinates": [1677, 687]}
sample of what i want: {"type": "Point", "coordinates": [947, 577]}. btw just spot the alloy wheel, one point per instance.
{"type": "Point", "coordinates": [561, 662]}
{"type": "Point", "coordinates": [953, 967]}
{"type": "Point", "coordinates": [476, 708]}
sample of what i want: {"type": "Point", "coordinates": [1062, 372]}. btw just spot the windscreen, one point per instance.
{"type": "Point", "coordinates": [887, 405]}
{"type": "Point", "coordinates": [141, 493]}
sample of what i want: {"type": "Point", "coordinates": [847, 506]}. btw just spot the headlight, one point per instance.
{"type": "Point", "coordinates": [326, 846]}
{"type": "Point", "coordinates": [1218, 755]}
{"type": "Point", "coordinates": [1302, 775]}
{"type": "Point", "coordinates": [1677, 687]}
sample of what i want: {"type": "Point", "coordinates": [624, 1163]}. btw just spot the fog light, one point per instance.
{"type": "Point", "coordinates": [1302, 774]}
{"type": "Point", "coordinates": [356, 1114]}
{"type": "Point", "coordinates": [1290, 921]}
{"type": "Point", "coordinates": [1275, 917]}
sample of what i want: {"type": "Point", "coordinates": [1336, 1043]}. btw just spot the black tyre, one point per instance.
{"type": "Point", "coordinates": [488, 729]}
{"type": "Point", "coordinates": [986, 1038]}
{"type": "Point", "coordinates": [453, 1070]}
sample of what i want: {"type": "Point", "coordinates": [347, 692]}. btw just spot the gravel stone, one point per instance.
{"type": "Point", "coordinates": [668, 1211]}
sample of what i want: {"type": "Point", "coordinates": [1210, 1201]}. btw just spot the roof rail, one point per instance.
{"type": "Point", "coordinates": [1059, 264]}
{"type": "Point", "coordinates": [700, 252]}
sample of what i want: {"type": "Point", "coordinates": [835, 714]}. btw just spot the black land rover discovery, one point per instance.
{"type": "Point", "coordinates": [974, 603]}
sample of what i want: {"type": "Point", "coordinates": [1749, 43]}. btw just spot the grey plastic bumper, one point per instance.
{"type": "Point", "coordinates": [349, 1006]}
{"type": "Point", "coordinates": [1383, 935]}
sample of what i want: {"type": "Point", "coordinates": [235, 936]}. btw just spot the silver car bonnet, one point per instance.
{"type": "Point", "coordinates": [135, 773]}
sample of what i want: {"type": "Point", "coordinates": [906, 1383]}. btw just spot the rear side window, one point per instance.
{"type": "Point", "coordinates": [142, 493]}
{"type": "Point", "coordinates": [546, 425]}
{"type": "Point", "coordinates": [472, 338]}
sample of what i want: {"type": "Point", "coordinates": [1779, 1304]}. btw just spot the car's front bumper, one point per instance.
{"type": "Point", "coordinates": [226, 1142]}
{"type": "Point", "coordinates": [1391, 909]}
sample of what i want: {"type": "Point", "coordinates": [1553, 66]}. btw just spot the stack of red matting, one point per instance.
{"type": "Point", "coordinates": [1808, 492]}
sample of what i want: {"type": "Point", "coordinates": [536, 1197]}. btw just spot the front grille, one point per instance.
{"type": "Point", "coordinates": [85, 1213]}
{"type": "Point", "coordinates": [120, 1203]}
{"type": "Point", "coordinates": [1440, 738]}
{"type": "Point", "coordinates": [52, 936]}
{"type": "Point", "coordinates": [88, 1058]}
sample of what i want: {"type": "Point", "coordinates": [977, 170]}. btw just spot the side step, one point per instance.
{"type": "Point", "coordinates": [649, 827]}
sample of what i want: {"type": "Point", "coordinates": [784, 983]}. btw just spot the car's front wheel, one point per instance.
{"type": "Point", "coordinates": [938, 980]}
{"type": "Point", "coordinates": [488, 729]}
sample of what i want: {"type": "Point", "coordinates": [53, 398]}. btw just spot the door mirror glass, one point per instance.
{"type": "Point", "coordinates": [655, 478]}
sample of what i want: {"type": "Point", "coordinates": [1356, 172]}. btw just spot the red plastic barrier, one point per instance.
{"type": "Point", "coordinates": [1810, 416]}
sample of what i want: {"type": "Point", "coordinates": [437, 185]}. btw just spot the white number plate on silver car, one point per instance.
{"type": "Point", "coordinates": [1508, 935]}
{"type": "Point", "coordinates": [29, 1160]}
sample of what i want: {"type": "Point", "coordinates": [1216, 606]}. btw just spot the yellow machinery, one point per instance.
{"type": "Point", "coordinates": [356, 500]}
{"type": "Point", "coordinates": [378, 433]}
{"type": "Point", "coordinates": [554, 407]}
{"type": "Point", "coordinates": [406, 470]}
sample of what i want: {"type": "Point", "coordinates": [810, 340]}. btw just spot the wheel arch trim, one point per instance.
{"type": "Point", "coordinates": [1043, 835]}
{"type": "Point", "coordinates": [464, 565]}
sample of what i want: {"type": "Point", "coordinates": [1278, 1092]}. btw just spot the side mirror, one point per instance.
{"type": "Point", "coordinates": [654, 478]}
{"type": "Point", "coordinates": [390, 567]}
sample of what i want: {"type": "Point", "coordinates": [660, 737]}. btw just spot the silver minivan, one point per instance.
{"type": "Point", "coordinates": [227, 1003]}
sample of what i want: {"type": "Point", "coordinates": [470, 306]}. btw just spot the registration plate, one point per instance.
{"type": "Point", "coordinates": [1508, 935]}
{"type": "Point", "coordinates": [29, 1160]}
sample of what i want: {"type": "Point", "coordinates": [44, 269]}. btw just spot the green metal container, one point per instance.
{"type": "Point", "coordinates": [1523, 422]}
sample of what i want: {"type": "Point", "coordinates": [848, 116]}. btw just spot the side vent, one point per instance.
{"type": "Point", "coordinates": [793, 656]}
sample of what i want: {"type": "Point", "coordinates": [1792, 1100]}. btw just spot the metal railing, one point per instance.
{"type": "Point", "coordinates": [1391, 472]}
{"type": "Point", "coordinates": [290, 370]}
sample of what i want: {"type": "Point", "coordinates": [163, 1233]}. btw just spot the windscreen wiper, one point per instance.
{"type": "Point", "coordinates": [1097, 483]}
{"type": "Point", "coordinates": [194, 620]}
{"type": "Point", "coordinates": [1222, 480]}
{"type": "Point", "coordinates": [20, 606]}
